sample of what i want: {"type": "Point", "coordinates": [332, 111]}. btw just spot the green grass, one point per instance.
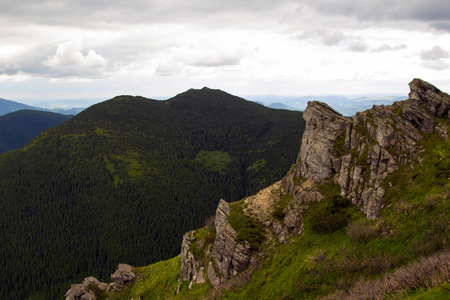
{"type": "Point", "coordinates": [257, 165]}
{"type": "Point", "coordinates": [214, 160]}
{"type": "Point", "coordinates": [247, 228]}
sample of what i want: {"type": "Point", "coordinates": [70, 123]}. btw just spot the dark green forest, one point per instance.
{"type": "Point", "coordinates": [126, 178]}
{"type": "Point", "coordinates": [20, 127]}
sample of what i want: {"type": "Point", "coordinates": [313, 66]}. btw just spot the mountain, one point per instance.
{"type": "Point", "coordinates": [348, 105]}
{"type": "Point", "coordinates": [278, 105]}
{"type": "Point", "coordinates": [20, 127]}
{"type": "Point", "coordinates": [7, 106]}
{"type": "Point", "coordinates": [126, 178]}
{"type": "Point", "coordinates": [363, 214]}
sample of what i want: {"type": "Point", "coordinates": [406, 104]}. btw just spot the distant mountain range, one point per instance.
{"type": "Point", "coordinates": [347, 105]}
{"type": "Point", "coordinates": [7, 106]}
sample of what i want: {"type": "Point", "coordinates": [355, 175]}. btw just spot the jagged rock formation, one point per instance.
{"type": "Point", "coordinates": [121, 278]}
{"type": "Point", "coordinates": [80, 291]}
{"type": "Point", "coordinates": [222, 260]}
{"type": "Point", "coordinates": [359, 154]}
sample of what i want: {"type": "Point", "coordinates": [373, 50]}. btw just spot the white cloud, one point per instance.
{"type": "Point", "coordinates": [70, 61]}
{"type": "Point", "coordinates": [284, 46]}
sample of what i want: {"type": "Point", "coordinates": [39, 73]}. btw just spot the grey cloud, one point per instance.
{"type": "Point", "coordinates": [358, 46]}
{"type": "Point", "coordinates": [435, 53]}
{"type": "Point", "coordinates": [441, 26]}
{"type": "Point", "coordinates": [105, 13]}
{"type": "Point", "coordinates": [435, 58]}
{"type": "Point", "coordinates": [25, 61]}
{"type": "Point", "coordinates": [431, 10]}
{"type": "Point", "coordinates": [168, 68]}
{"type": "Point", "coordinates": [325, 36]}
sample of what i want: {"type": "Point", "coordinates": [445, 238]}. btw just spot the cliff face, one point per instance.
{"type": "Point", "coordinates": [218, 262]}
{"type": "Point", "coordinates": [358, 154]}
{"type": "Point", "coordinates": [355, 154]}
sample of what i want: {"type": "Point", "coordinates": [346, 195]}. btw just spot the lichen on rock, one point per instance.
{"type": "Point", "coordinates": [358, 154]}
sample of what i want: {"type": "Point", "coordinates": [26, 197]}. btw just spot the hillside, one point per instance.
{"type": "Point", "coordinates": [126, 178]}
{"type": "Point", "coordinates": [20, 127]}
{"type": "Point", "coordinates": [363, 214]}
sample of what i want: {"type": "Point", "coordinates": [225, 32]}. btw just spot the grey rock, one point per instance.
{"type": "Point", "coordinates": [437, 102]}
{"type": "Point", "coordinates": [90, 280]}
{"type": "Point", "coordinates": [213, 278]}
{"type": "Point", "coordinates": [188, 262]}
{"type": "Point", "coordinates": [375, 143]}
{"type": "Point", "coordinates": [226, 259]}
{"type": "Point", "coordinates": [225, 243]}
{"type": "Point", "coordinates": [323, 126]}
{"type": "Point", "coordinates": [123, 276]}
{"type": "Point", "coordinates": [79, 292]}
{"type": "Point", "coordinates": [102, 286]}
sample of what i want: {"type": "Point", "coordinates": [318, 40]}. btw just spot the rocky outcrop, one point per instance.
{"type": "Point", "coordinates": [81, 291]}
{"type": "Point", "coordinates": [218, 263]}
{"type": "Point", "coordinates": [191, 269]}
{"type": "Point", "coordinates": [121, 278]}
{"type": "Point", "coordinates": [324, 126]}
{"type": "Point", "coordinates": [358, 154]}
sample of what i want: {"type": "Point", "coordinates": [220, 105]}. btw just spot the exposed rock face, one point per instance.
{"type": "Point", "coordinates": [359, 154]}
{"type": "Point", "coordinates": [227, 257]}
{"type": "Point", "coordinates": [436, 102]}
{"type": "Point", "coordinates": [324, 126]}
{"type": "Point", "coordinates": [191, 269]}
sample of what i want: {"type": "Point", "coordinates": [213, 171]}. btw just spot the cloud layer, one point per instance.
{"type": "Point", "coordinates": [157, 47]}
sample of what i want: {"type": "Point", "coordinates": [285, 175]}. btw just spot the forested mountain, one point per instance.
{"type": "Point", "coordinates": [125, 179]}
{"type": "Point", "coordinates": [20, 127]}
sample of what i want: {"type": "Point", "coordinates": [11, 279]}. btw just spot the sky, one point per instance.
{"type": "Point", "coordinates": [97, 49]}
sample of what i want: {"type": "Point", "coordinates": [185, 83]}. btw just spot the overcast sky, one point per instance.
{"type": "Point", "coordinates": [101, 48]}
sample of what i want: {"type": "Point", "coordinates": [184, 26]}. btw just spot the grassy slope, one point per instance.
{"type": "Point", "coordinates": [414, 224]}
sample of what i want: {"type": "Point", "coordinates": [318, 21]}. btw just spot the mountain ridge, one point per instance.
{"type": "Point", "coordinates": [117, 179]}
{"type": "Point", "coordinates": [316, 238]}
{"type": "Point", "coordinates": [19, 127]}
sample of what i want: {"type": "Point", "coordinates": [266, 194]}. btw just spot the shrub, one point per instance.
{"type": "Point", "coordinates": [329, 217]}
{"type": "Point", "coordinates": [361, 231]}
